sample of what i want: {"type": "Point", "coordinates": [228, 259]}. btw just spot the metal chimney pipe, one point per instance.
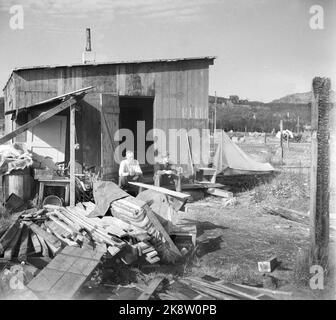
{"type": "Point", "coordinates": [88, 40]}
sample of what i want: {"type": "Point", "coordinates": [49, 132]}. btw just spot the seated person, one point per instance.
{"type": "Point", "coordinates": [129, 170]}
{"type": "Point", "coordinates": [164, 173]}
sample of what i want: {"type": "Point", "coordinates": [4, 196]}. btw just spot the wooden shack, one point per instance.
{"type": "Point", "coordinates": [163, 93]}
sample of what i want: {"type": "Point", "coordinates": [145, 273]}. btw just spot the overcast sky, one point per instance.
{"type": "Point", "coordinates": [265, 48]}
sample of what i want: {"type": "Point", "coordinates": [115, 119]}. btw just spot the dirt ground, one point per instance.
{"type": "Point", "coordinates": [232, 239]}
{"type": "Point", "coordinates": [243, 234]}
{"type": "Point", "coordinates": [248, 235]}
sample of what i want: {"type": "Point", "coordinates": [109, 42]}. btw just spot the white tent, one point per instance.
{"type": "Point", "coordinates": [231, 160]}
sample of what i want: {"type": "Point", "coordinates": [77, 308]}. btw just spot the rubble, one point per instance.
{"type": "Point", "coordinates": [128, 230]}
{"type": "Point", "coordinates": [193, 288]}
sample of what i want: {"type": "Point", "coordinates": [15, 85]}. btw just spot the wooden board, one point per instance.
{"type": "Point", "coordinates": [8, 236]}
{"type": "Point", "coordinates": [172, 193]}
{"type": "Point", "coordinates": [38, 262]}
{"type": "Point", "coordinates": [149, 290]}
{"type": "Point", "coordinates": [73, 93]}
{"type": "Point", "coordinates": [158, 226]}
{"type": "Point", "coordinates": [45, 235]}
{"type": "Point", "coordinates": [11, 247]}
{"type": "Point", "coordinates": [45, 250]}
{"type": "Point", "coordinates": [219, 193]}
{"type": "Point", "coordinates": [109, 125]}
{"type": "Point", "coordinates": [66, 273]}
{"type": "Point", "coordinates": [23, 251]}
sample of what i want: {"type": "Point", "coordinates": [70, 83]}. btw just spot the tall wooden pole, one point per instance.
{"type": "Point", "coordinates": [72, 156]}
{"type": "Point", "coordinates": [281, 140]}
{"type": "Point", "coordinates": [319, 183]}
{"type": "Point", "coordinates": [298, 125]}
{"type": "Point", "coordinates": [332, 188]}
{"type": "Point", "coordinates": [215, 122]}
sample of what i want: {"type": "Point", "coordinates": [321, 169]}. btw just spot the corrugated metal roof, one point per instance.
{"type": "Point", "coordinates": [116, 62]}
{"type": "Point", "coordinates": [108, 63]}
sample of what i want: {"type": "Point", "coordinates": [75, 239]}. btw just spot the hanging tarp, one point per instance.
{"type": "Point", "coordinates": [231, 160]}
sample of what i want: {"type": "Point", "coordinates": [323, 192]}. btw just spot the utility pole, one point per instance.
{"type": "Point", "coordinates": [298, 125]}
{"type": "Point", "coordinates": [215, 121]}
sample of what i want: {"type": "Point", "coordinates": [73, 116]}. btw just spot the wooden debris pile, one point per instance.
{"type": "Point", "coordinates": [194, 288]}
{"type": "Point", "coordinates": [132, 232]}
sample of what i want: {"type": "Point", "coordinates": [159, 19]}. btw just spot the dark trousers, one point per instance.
{"type": "Point", "coordinates": [123, 181]}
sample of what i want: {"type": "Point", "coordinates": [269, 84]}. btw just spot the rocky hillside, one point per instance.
{"type": "Point", "coordinates": [304, 97]}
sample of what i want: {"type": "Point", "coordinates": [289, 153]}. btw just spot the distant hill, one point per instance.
{"type": "Point", "coordinates": [258, 116]}
{"type": "Point", "coordinates": [304, 97]}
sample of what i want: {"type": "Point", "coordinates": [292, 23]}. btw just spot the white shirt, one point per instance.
{"type": "Point", "coordinates": [129, 168]}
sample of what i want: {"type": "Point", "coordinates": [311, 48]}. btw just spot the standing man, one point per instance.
{"type": "Point", "coordinates": [129, 170]}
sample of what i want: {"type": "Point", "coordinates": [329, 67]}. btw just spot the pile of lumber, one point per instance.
{"type": "Point", "coordinates": [129, 228]}
{"type": "Point", "coordinates": [45, 232]}
{"type": "Point", "coordinates": [139, 214]}
{"type": "Point", "coordinates": [132, 232]}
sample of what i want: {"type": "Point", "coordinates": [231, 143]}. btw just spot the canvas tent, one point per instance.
{"type": "Point", "coordinates": [231, 160]}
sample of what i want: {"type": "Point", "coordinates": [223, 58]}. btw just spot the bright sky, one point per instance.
{"type": "Point", "coordinates": [265, 48]}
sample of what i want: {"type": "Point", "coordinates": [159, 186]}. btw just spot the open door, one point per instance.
{"type": "Point", "coordinates": [109, 125]}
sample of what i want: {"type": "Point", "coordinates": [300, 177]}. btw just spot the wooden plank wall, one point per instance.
{"type": "Point", "coordinates": [181, 98]}
{"type": "Point", "coordinates": [180, 89]}
{"type": "Point", "coordinates": [10, 102]}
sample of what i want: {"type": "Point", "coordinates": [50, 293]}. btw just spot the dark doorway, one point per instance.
{"type": "Point", "coordinates": [132, 110]}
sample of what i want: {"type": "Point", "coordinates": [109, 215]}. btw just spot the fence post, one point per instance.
{"type": "Point", "coordinates": [281, 142]}
{"type": "Point", "coordinates": [319, 182]}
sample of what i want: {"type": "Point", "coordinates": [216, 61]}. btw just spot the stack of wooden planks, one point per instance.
{"type": "Point", "coordinates": [139, 214]}
{"type": "Point", "coordinates": [132, 232]}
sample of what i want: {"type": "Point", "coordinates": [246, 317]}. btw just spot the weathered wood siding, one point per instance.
{"type": "Point", "coordinates": [10, 102]}
{"type": "Point", "coordinates": [180, 89]}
